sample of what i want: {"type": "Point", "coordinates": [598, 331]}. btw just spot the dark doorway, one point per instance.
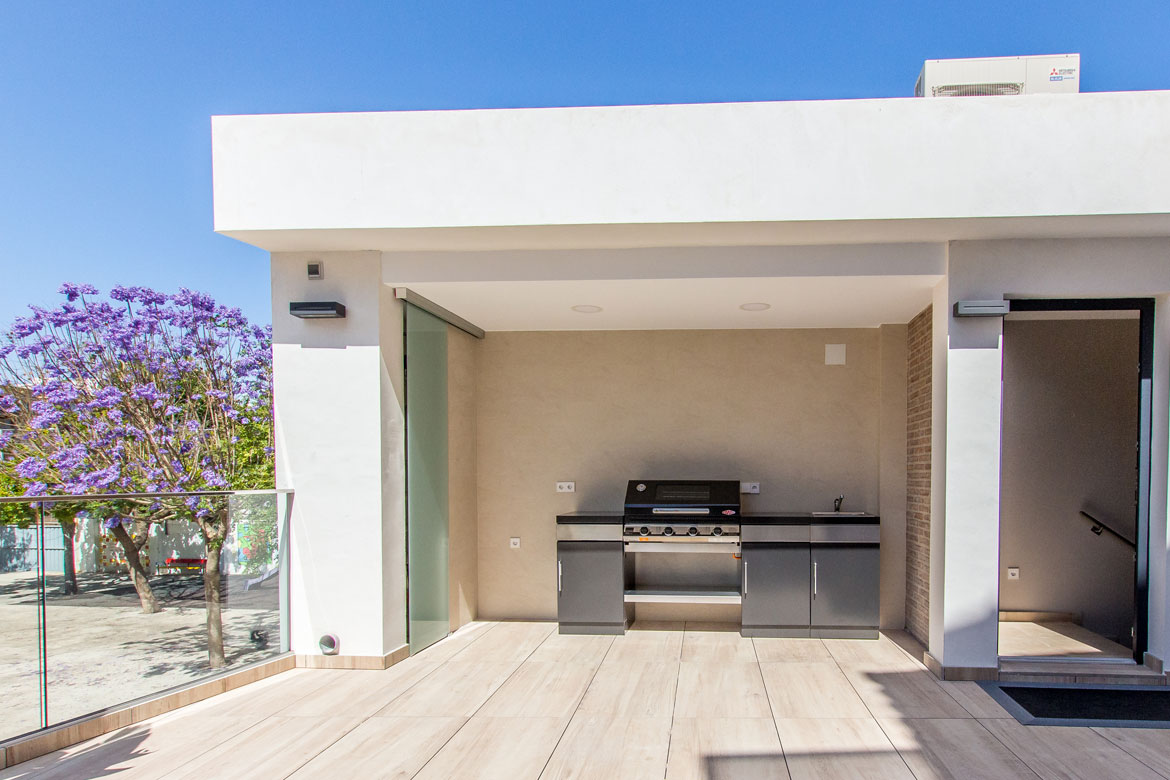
{"type": "Point", "coordinates": [1075, 478]}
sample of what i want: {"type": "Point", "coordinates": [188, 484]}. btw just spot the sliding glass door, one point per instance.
{"type": "Point", "coordinates": [427, 510]}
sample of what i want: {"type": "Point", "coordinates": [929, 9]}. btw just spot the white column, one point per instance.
{"type": "Point", "coordinates": [339, 442]}
{"type": "Point", "coordinates": [970, 607]}
{"type": "Point", "coordinates": [964, 608]}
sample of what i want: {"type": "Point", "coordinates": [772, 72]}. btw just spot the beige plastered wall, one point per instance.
{"type": "Point", "coordinates": [602, 407]}
{"type": "Point", "coordinates": [463, 546]}
{"type": "Point", "coordinates": [1070, 412]}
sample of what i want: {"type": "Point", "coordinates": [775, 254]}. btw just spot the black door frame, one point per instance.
{"type": "Point", "coordinates": [1145, 309]}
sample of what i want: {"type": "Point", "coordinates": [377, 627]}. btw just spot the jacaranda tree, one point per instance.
{"type": "Point", "coordinates": [141, 392]}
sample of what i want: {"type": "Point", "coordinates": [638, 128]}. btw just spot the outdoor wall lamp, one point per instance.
{"type": "Point", "coordinates": [982, 308]}
{"type": "Point", "coordinates": [317, 310]}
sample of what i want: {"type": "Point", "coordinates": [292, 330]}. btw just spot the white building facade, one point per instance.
{"type": "Point", "coordinates": [848, 218]}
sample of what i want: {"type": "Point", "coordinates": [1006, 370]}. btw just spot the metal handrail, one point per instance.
{"type": "Point", "coordinates": [1098, 525]}
{"type": "Point", "coordinates": [118, 496]}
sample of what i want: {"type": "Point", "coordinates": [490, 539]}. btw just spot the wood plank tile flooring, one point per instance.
{"type": "Point", "coordinates": [666, 701]}
{"type": "Point", "coordinates": [1027, 639]}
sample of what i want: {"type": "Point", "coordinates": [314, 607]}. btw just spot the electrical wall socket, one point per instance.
{"type": "Point", "coordinates": [1013, 572]}
{"type": "Point", "coordinates": [514, 542]}
{"type": "Point", "coordinates": [749, 487]}
{"type": "Point", "coordinates": [566, 487]}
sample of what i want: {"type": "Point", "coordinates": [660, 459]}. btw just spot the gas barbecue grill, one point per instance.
{"type": "Point", "coordinates": [682, 516]}
{"type": "Point", "coordinates": [792, 574]}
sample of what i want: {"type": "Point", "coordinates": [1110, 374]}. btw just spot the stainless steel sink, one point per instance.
{"type": "Point", "coordinates": [839, 514]}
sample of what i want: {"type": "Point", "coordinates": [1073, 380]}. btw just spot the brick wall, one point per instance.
{"type": "Point", "coordinates": [918, 424]}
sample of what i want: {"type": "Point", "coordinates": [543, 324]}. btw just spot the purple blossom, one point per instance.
{"type": "Point", "coordinates": [74, 291]}
{"type": "Point", "coordinates": [30, 468]}
{"type": "Point", "coordinates": [69, 459]}
{"type": "Point", "coordinates": [106, 398]}
{"type": "Point", "coordinates": [25, 327]}
{"type": "Point", "coordinates": [147, 392]}
{"type": "Point", "coordinates": [109, 385]}
{"type": "Point", "coordinates": [47, 418]}
{"type": "Point", "coordinates": [212, 479]}
{"type": "Point", "coordinates": [103, 478]}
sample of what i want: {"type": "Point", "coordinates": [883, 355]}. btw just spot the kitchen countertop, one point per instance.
{"type": "Point", "coordinates": [748, 518]}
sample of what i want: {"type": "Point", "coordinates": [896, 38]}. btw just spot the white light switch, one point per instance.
{"type": "Point", "coordinates": [514, 542]}
{"type": "Point", "coordinates": [834, 354]}
{"type": "Point", "coordinates": [1013, 572]}
{"type": "Point", "coordinates": [566, 487]}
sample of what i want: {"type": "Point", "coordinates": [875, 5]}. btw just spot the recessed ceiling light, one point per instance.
{"type": "Point", "coordinates": [755, 306]}
{"type": "Point", "coordinates": [586, 308]}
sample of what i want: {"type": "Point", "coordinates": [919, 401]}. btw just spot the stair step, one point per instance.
{"type": "Point", "coordinates": [1073, 672]}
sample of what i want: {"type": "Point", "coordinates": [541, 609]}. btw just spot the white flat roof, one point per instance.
{"type": "Point", "coordinates": [795, 172]}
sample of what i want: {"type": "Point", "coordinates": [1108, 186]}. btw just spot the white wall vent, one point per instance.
{"type": "Point", "coordinates": [981, 77]}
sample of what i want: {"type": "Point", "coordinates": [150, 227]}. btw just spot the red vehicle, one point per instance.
{"type": "Point", "coordinates": [182, 566]}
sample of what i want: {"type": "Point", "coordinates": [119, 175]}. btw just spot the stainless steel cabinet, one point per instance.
{"type": "Point", "coordinates": [590, 588]}
{"type": "Point", "coordinates": [845, 590]}
{"type": "Point", "coordinates": [775, 587]}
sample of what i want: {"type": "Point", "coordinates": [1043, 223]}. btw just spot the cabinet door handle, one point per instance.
{"type": "Point", "coordinates": [745, 578]}
{"type": "Point", "coordinates": [558, 576]}
{"type": "Point", "coordinates": [814, 579]}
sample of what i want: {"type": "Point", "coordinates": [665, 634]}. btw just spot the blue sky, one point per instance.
{"type": "Point", "coordinates": [105, 170]}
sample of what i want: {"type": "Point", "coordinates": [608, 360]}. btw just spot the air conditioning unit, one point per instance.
{"type": "Point", "coordinates": [982, 76]}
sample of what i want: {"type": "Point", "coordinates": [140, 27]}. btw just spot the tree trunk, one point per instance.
{"type": "Point", "coordinates": [211, 583]}
{"type": "Point", "coordinates": [68, 532]}
{"type": "Point", "coordinates": [134, 565]}
{"type": "Point", "coordinates": [215, 531]}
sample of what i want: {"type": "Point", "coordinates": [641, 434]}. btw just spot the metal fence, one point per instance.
{"type": "Point", "coordinates": [20, 547]}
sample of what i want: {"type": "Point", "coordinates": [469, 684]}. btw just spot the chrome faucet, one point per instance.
{"type": "Point", "coordinates": [837, 502]}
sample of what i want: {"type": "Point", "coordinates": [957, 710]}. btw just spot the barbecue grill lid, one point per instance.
{"type": "Point", "coordinates": [647, 494]}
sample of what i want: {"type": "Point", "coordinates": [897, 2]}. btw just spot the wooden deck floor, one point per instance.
{"type": "Point", "coordinates": [1028, 639]}
{"type": "Point", "coordinates": [517, 700]}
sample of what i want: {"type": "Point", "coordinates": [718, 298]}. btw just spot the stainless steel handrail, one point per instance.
{"type": "Point", "coordinates": [1098, 525]}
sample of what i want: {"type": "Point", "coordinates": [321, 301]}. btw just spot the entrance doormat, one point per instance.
{"type": "Point", "coordinates": [1071, 704]}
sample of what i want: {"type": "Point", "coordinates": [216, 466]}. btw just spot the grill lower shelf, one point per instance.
{"type": "Point", "coordinates": [688, 596]}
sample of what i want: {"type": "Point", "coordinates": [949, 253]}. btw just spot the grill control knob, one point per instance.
{"type": "Point", "coordinates": [692, 531]}
{"type": "Point", "coordinates": [668, 531]}
{"type": "Point", "coordinates": [643, 531]}
{"type": "Point", "coordinates": [717, 531]}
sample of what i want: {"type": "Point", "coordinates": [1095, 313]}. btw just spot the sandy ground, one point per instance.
{"type": "Point", "coordinates": [102, 650]}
